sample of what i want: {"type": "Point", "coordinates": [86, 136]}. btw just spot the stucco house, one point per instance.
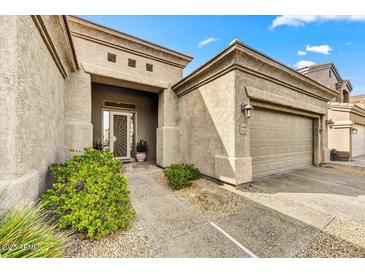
{"type": "Point", "coordinates": [359, 100]}
{"type": "Point", "coordinates": [66, 82]}
{"type": "Point", "coordinates": [347, 133]}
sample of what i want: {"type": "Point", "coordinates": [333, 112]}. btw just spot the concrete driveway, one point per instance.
{"type": "Point", "coordinates": [330, 199]}
{"type": "Point", "coordinates": [314, 195]}
{"type": "Point", "coordinates": [278, 216]}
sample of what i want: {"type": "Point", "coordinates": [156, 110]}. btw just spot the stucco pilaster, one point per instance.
{"type": "Point", "coordinates": [78, 127]}
{"type": "Point", "coordinates": [167, 133]}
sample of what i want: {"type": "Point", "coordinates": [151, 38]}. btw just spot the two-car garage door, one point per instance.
{"type": "Point", "coordinates": [358, 141]}
{"type": "Point", "coordinates": [279, 142]}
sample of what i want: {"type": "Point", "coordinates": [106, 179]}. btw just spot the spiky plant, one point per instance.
{"type": "Point", "coordinates": [142, 146]}
{"type": "Point", "coordinates": [26, 233]}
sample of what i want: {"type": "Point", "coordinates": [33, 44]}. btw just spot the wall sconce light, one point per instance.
{"type": "Point", "coordinates": [330, 123]}
{"type": "Point", "coordinates": [354, 130]}
{"type": "Point", "coordinates": [247, 109]}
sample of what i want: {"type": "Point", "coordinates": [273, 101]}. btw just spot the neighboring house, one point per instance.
{"type": "Point", "coordinates": [66, 82]}
{"type": "Point", "coordinates": [347, 135]}
{"type": "Point", "coordinates": [359, 100]}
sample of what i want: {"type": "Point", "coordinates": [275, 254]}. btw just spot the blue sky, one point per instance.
{"type": "Point", "coordinates": [319, 39]}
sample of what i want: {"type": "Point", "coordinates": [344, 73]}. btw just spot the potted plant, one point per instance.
{"type": "Point", "coordinates": [141, 149]}
{"type": "Point", "coordinates": [98, 145]}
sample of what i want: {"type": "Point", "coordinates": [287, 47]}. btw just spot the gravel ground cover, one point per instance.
{"type": "Point", "coordinates": [340, 239]}
{"type": "Point", "coordinates": [208, 197]}
{"type": "Point", "coordinates": [127, 244]}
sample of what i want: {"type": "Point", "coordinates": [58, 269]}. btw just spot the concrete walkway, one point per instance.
{"type": "Point", "coordinates": [176, 229]}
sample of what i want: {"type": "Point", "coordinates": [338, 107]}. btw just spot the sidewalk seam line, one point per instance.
{"type": "Point", "coordinates": [245, 249]}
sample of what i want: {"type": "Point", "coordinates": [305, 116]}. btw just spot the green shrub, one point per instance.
{"type": "Point", "coordinates": [181, 175]}
{"type": "Point", "coordinates": [25, 233]}
{"type": "Point", "coordinates": [90, 195]}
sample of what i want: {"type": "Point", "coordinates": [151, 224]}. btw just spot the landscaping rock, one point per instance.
{"type": "Point", "coordinates": [340, 239]}
{"type": "Point", "coordinates": [127, 244]}
{"type": "Point", "coordinates": [209, 198]}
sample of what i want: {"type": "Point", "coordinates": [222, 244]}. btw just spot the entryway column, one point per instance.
{"type": "Point", "coordinates": [78, 127]}
{"type": "Point", "coordinates": [168, 146]}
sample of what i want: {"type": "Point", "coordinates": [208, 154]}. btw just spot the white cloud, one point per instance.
{"type": "Point", "coordinates": [323, 49]}
{"type": "Point", "coordinates": [207, 41]}
{"type": "Point", "coordinates": [303, 64]}
{"type": "Point", "coordinates": [301, 53]}
{"type": "Point", "coordinates": [348, 44]}
{"type": "Point", "coordinates": [299, 21]}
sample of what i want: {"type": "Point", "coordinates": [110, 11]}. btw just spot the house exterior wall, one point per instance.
{"type": "Point", "coordinates": [93, 43]}
{"type": "Point", "coordinates": [358, 118]}
{"type": "Point", "coordinates": [206, 125]}
{"type": "Point", "coordinates": [339, 138]}
{"type": "Point", "coordinates": [359, 100]}
{"type": "Point", "coordinates": [275, 89]}
{"type": "Point", "coordinates": [215, 134]}
{"type": "Point", "coordinates": [78, 127]}
{"type": "Point", "coordinates": [92, 52]}
{"type": "Point", "coordinates": [344, 111]}
{"type": "Point", "coordinates": [322, 76]}
{"type": "Point", "coordinates": [146, 112]}
{"type": "Point", "coordinates": [46, 98]}
{"type": "Point", "coordinates": [32, 103]}
{"type": "Point", "coordinates": [345, 116]}
{"type": "Point", "coordinates": [327, 75]}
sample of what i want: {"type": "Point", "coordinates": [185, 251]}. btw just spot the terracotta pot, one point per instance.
{"type": "Point", "coordinates": [141, 156]}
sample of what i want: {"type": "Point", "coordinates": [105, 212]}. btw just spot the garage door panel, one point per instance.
{"type": "Point", "coordinates": [280, 142]}
{"type": "Point", "coordinates": [358, 141]}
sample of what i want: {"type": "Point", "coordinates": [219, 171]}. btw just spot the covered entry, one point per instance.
{"type": "Point", "coordinates": [279, 142]}
{"type": "Point", "coordinates": [121, 117]}
{"type": "Point", "coordinates": [358, 140]}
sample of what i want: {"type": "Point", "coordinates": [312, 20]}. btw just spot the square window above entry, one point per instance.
{"type": "Point", "coordinates": [149, 67]}
{"type": "Point", "coordinates": [112, 57]}
{"type": "Point", "coordinates": [132, 63]}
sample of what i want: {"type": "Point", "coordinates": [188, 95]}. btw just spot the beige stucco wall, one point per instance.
{"type": "Point", "coordinates": [146, 111]}
{"type": "Point", "coordinates": [339, 138]}
{"type": "Point", "coordinates": [322, 76]}
{"type": "Point", "coordinates": [78, 127]}
{"type": "Point", "coordinates": [206, 124]}
{"type": "Point", "coordinates": [215, 134]}
{"type": "Point", "coordinates": [359, 100]}
{"type": "Point", "coordinates": [286, 94]}
{"type": "Point", "coordinates": [96, 54]}
{"type": "Point", "coordinates": [32, 106]}
{"type": "Point", "coordinates": [358, 119]}
{"type": "Point", "coordinates": [344, 117]}
{"type": "Point", "coordinates": [93, 43]}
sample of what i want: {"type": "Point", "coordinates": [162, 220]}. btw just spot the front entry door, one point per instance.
{"type": "Point", "coordinates": [119, 137]}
